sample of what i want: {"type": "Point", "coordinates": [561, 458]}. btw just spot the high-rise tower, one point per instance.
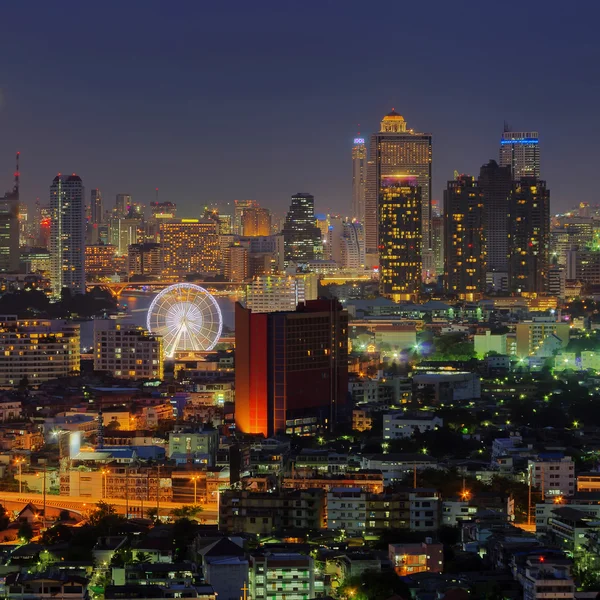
{"type": "Point", "coordinates": [9, 227]}
{"type": "Point", "coordinates": [67, 231]}
{"type": "Point", "coordinates": [96, 207]}
{"type": "Point", "coordinates": [123, 202]}
{"type": "Point", "coordinates": [520, 151]}
{"type": "Point", "coordinates": [302, 238]}
{"type": "Point", "coordinates": [465, 253]}
{"type": "Point", "coordinates": [495, 184]}
{"type": "Point", "coordinates": [359, 178]}
{"type": "Point", "coordinates": [397, 152]}
{"type": "Point", "coordinates": [400, 238]}
{"type": "Point", "coordinates": [529, 230]}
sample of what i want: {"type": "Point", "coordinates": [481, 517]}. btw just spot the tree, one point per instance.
{"type": "Point", "coordinates": [372, 585]}
{"type": "Point", "coordinates": [142, 557]}
{"type": "Point", "coordinates": [25, 531]}
{"type": "Point", "coordinates": [188, 511]}
{"type": "Point", "coordinates": [184, 533]}
{"type": "Point", "coordinates": [105, 519]}
{"type": "Point", "coordinates": [4, 518]}
{"type": "Point", "coordinates": [64, 515]}
{"type": "Point", "coordinates": [57, 534]}
{"type": "Point", "coordinates": [103, 510]}
{"type": "Point", "coordinates": [152, 513]}
{"type": "Point", "coordinates": [122, 557]}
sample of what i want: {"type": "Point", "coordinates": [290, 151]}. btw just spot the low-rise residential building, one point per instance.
{"type": "Point", "coordinates": [588, 482]}
{"type": "Point", "coordinates": [414, 509]}
{"type": "Point", "coordinates": [396, 467]}
{"type": "Point", "coordinates": [10, 410]}
{"type": "Point", "coordinates": [320, 461]}
{"type": "Point", "coordinates": [34, 351]}
{"type": "Point", "coordinates": [553, 474]}
{"type": "Point", "coordinates": [281, 576]}
{"type": "Point", "coordinates": [354, 564]}
{"type": "Point", "coordinates": [127, 351]}
{"type": "Point", "coordinates": [398, 425]}
{"type": "Point", "coordinates": [346, 509]}
{"type": "Point", "coordinates": [449, 386]}
{"type": "Point", "coordinates": [487, 342]}
{"type": "Point", "coordinates": [531, 335]}
{"type": "Point", "coordinates": [408, 559]}
{"type": "Point", "coordinates": [568, 527]}
{"type": "Point", "coordinates": [384, 391]}
{"type": "Point", "coordinates": [198, 446]}
{"type": "Point", "coordinates": [361, 420]}
{"type": "Point", "coordinates": [262, 513]}
{"type": "Point", "coordinates": [548, 579]}
{"type": "Point", "coordinates": [370, 481]}
{"type": "Point", "coordinates": [46, 586]}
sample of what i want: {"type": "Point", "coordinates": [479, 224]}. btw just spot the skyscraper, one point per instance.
{"type": "Point", "coordinates": [96, 211]}
{"type": "Point", "coordinates": [240, 207]}
{"type": "Point", "coordinates": [291, 368]}
{"type": "Point", "coordinates": [67, 231]}
{"type": "Point", "coordinates": [495, 183]}
{"type": "Point", "coordinates": [465, 253]}
{"type": "Point", "coordinates": [398, 152]}
{"type": "Point", "coordinates": [122, 204]}
{"type": "Point", "coordinates": [529, 230]}
{"type": "Point", "coordinates": [353, 246]}
{"type": "Point", "coordinates": [9, 230]}
{"type": "Point", "coordinates": [437, 244]}
{"type": "Point", "coordinates": [189, 246]}
{"type": "Point", "coordinates": [359, 178]}
{"type": "Point", "coordinates": [302, 238]}
{"type": "Point", "coordinates": [521, 152]}
{"type": "Point", "coordinates": [256, 221]}
{"type": "Point", "coordinates": [400, 237]}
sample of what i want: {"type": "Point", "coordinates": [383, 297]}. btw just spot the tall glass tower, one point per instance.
{"type": "Point", "coordinates": [302, 238]}
{"type": "Point", "coordinates": [67, 234]}
{"type": "Point", "coordinates": [397, 152]}
{"type": "Point", "coordinates": [520, 150]}
{"type": "Point", "coordinates": [359, 179]}
{"type": "Point", "coordinates": [400, 258]}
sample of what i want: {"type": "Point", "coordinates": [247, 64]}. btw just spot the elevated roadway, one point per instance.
{"type": "Point", "coordinates": [84, 504]}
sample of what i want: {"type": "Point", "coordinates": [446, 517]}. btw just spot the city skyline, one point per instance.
{"type": "Point", "coordinates": [144, 138]}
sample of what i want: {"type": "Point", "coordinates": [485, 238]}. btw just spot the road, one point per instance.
{"type": "Point", "coordinates": [82, 504]}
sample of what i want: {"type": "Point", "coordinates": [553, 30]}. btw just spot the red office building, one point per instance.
{"type": "Point", "coordinates": [291, 368]}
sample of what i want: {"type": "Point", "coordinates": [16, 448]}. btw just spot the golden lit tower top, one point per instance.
{"type": "Point", "coordinates": [393, 123]}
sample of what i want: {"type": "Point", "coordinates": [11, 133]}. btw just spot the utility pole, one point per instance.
{"type": "Point", "coordinates": [45, 475]}
{"type": "Point", "coordinates": [158, 492]}
{"type": "Point", "coordinates": [529, 500]}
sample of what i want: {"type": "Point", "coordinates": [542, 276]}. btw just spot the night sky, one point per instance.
{"type": "Point", "coordinates": [213, 101]}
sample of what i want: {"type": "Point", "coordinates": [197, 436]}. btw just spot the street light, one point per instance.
{"type": "Point", "coordinates": [104, 474]}
{"type": "Point", "coordinates": [19, 462]}
{"type": "Point", "coordinates": [195, 480]}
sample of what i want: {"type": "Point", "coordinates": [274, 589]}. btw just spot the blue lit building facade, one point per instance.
{"type": "Point", "coordinates": [520, 150]}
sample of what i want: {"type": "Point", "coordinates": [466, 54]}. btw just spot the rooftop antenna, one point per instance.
{"type": "Point", "coordinates": [17, 175]}
{"type": "Point", "coordinates": [506, 127]}
{"type": "Point", "coordinates": [156, 195]}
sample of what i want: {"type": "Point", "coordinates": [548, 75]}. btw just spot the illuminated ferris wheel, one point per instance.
{"type": "Point", "coordinates": [187, 317]}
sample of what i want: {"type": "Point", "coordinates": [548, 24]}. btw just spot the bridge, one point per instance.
{"type": "Point", "coordinates": [83, 504]}
{"type": "Point", "coordinates": [117, 288]}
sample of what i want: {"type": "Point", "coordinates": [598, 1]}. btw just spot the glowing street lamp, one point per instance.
{"type": "Point", "coordinates": [104, 474]}
{"type": "Point", "coordinates": [19, 462]}
{"type": "Point", "coordinates": [195, 480]}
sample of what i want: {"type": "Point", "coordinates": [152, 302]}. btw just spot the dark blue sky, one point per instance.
{"type": "Point", "coordinates": [212, 101]}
